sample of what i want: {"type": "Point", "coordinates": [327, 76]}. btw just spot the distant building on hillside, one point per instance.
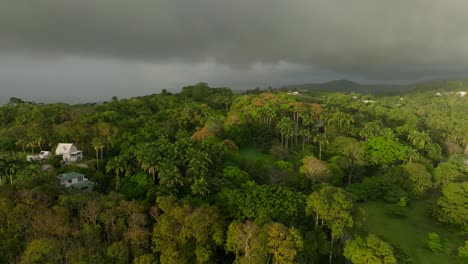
{"type": "Point", "coordinates": [69, 152]}
{"type": "Point", "coordinates": [76, 181]}
{"type": "Point", "coordinates": [461, 93]}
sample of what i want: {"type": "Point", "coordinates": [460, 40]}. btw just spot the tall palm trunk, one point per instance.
{"type": "Point", "coordinates": [97, 159]}
{"type": "Point", "coordinates": [320, 151]}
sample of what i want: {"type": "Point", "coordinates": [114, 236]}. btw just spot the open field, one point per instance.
{"type": "Point", "coordinates": [409, 233]}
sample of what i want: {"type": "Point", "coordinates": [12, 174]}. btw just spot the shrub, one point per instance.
{"type": "Point", "coordinates": [432, 241]}
{"type": "Point", "coordinates": [395, 194]}
{"type": "Point", "coordinates": [395, 210]}
{"type": "Point", "coordinates": [463, 254]}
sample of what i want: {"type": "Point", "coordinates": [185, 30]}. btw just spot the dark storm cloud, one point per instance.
{"type": "Point", "coordinates": [373, 39]}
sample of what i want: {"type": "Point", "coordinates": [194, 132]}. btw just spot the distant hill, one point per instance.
{"type": "Point", "coordinates": [350, 86]}
{"type": "Point", "coordinates": [381, 89]}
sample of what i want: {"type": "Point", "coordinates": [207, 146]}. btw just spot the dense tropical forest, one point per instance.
{"type": "Point", "coordinates": [268, 176]}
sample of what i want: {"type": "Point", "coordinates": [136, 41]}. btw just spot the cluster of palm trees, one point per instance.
{"type": "Point", "coordinates": [293, 120]}
{"type": "Point", "coordinates": [30, 142]}
{"type": "Point", "coordinates": [182, 163]}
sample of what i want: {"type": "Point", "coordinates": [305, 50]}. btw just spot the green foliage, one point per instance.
{"type": "Point", "coordinates": [395, 195]}
{"type": "Point", "coordinates": [420, 178]}
{"type": "Point", "coordinates": [183, 233]}
{"type": "Point", "coordinates": [396, 210]}
{"type": "Point", "coordinates": [41, 251]}
{"type": "Point", "coordinates": [369, 250]}
{"type": "Point", "coordinates": [118, 251]}
{"type": "Point", "coordinates": [263, 203]}
{"type": "Point", "coordinates": [452, 206]}
{"type": "Point", "coordinates": [283, 243]}
{"type": "Point", "coordinates": [463, 253]}
{"type": "Point", "coordinates": [333, 207]}
{"type": "Point", "coordinates": [384, 151]}
{"type": "Point", "coordinates": [433, 242]}
{"type": "Point", "coordinates": [445, 173]}
{"type": "Point", "coordinates": [348, 155]}
{"type": "Point", "coordinates": [234, 177]}
{"type": "Point", "coordinates": [175, 144]}
{"type": "Point", "coordinates": [136, 186]}
{"type": "Point", "coordinates": [145, 259]}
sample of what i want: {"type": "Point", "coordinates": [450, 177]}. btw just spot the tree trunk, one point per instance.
{"type": "Point", "coordinates": [117, 182]}
{"type": "Point", "coordinates": [331, 251]}
{"type": "Point", "coordinates": [97, 159]}
{"type": "Point", "coordinates": [320, 151]}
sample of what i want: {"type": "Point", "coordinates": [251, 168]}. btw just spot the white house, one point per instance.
{"type": "Point", "coordinates": [69, 152]}
{"type": "Point", "coordinates": [42, 156]}
{"type": "Point", "coordinates": [461, 93]}
{"type": "Point", "coordinates": [75, 180]}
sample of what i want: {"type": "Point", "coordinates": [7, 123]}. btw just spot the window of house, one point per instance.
{"type": "Point", "coordinates": [80, 178]}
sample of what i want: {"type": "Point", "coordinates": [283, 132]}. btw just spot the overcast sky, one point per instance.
{"type": "Point", "coordinates": [94, 49]}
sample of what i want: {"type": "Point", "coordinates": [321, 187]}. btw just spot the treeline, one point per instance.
{"type": "Point", "coordinates": [173, 186]}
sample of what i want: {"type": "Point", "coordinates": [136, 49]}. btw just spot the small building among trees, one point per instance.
{"type": "Point", "coordinates": [43, 155]}
{"type": "Point", "coordinates": [69, 152]}
{"type": "Point", "coordinates": [76, 181]}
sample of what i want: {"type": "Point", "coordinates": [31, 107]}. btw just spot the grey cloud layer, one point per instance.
{"type": "Point", "coordinates": [364, 37]}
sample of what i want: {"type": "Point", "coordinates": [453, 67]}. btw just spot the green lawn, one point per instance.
{"type": "Point", "coordinates": [256, 154]}
{"type": "Point", "coordinates": [410, 232]}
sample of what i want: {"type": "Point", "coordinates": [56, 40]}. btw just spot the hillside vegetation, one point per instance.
{"type": "Point", "coordinates": [207, 176]}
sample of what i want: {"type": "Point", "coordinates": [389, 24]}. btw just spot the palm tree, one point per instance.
{"type": "Point", "coordinates": [304, 133]}
{"type": "Point", "coordinates": [31, 143]}
{"type": "Point", "coordinates": [117, 165]}
{"type": "Point", "coordinates": [10, 168]}
{"type": "Point", "coordinates": [149, 157]}
{"type": "Point", "coordinates": [370, 129]}
{"type": "Point", "coordinates": [21, 143]}
{"type": "Point", "coordinates": [285, 126]}
{"type": "Point", "coordinates": [322, 140]}
{"type": "Point", "coordinates": [419, 139]}
{"type": "Point", "coordinates": [39, 141]}
{"type": "Point", "coordinates": [98, 144]}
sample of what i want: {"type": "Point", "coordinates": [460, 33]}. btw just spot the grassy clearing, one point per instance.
{"type": "Point", "coordinates": [256, 154]}
{"type": "Point", "coordinates": [409, 233]}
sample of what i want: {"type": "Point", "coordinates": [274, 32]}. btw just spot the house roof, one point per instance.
{"type": "Point", "coordinates": [82, 184]}
{"type": "Point", "coordinates": [63, 148]}
{"type": "Point", "coordinates": [69, 176]}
